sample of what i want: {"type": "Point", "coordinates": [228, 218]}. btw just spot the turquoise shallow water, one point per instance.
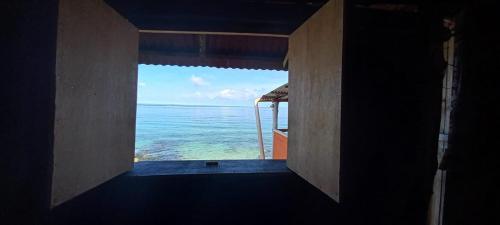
{"type": "Point", "coordinates": [174, 132]}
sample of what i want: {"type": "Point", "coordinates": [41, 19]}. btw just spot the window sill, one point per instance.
{"type": "Point", "coordinates": [159, 168]}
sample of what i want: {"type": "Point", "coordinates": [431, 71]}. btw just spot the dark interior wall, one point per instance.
{"type": "Point", "coordinates": [471, 195]}
{"type": "Point", "coordinates": [27, 108]}
{"type": "Point", "coordinates": [391, 103]}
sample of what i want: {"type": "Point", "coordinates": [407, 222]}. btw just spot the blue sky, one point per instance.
{"type": "Point", "coordinates": [205, 85]}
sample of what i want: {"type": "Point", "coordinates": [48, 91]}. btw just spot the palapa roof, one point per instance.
{"type": "Point", "coordinates": [279, 94]}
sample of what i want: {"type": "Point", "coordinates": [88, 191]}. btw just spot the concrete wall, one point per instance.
{"type": "Point", "coordinates": [386, 71]}
{"type": "Point", "coordinates": [315, 75]}
{"type": "Point", "coordinates": [96, 81]}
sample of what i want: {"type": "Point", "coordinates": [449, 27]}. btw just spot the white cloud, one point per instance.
{"type": "Point", "coordinates": [198, 81]}
{"type": "Point", "coordinates": [232, 94]}
{"type": "Point", "coordinates": [244, 94]}
{"type": "Point", "coordinates": [227, 93]}
{"type": "Point", "coordinates": [142, 84]}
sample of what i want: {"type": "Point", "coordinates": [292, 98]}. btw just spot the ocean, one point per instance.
{"type": "Point", "coordinates": [183, 132]}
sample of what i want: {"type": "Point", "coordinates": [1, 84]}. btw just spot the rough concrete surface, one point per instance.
{"type": "Point", "coordinates": [96, 82]}
{"type": "Point", "coordinates": [315, 65]}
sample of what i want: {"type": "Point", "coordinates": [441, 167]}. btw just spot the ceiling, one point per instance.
{"type": "Point", "coordinates": [222, 33]}
{"type": "Point", "coordinates": [242, 16]}
{"type": "Point", "coordinates": [222, 51]}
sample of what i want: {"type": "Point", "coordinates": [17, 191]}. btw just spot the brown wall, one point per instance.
{"type": "Point", "coordinates": [315, 75]}
{"type": "Point", "coordinates": [96, 80]}
{"type": "Point", "coordinates": [280, 145]}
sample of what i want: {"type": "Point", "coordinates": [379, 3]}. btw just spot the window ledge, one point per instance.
{"type": "Point", "coordinates": [159, 168]}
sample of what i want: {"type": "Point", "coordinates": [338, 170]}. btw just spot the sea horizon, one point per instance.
{"type": "Point", "coordinates": [193, 105]}
{"type": "Point", "coordinates": [196, 105]}
{"type": "Point", "coordinates": [201, 132]}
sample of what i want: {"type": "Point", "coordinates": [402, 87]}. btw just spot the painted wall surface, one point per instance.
{"type": "Point", "coordinates": [96, 81]}
{"type": "Point", "coordinates": [315, 75]}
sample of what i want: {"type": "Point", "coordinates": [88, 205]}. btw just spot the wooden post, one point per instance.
{"type": "Point", "coordinates": [259, 130]}
{"type": "Point", "coordinates": [275, 115]}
